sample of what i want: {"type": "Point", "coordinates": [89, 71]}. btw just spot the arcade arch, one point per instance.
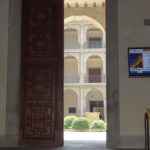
{"type": "Point", "coordinates": [71, 69]}
{"type": "Point", "coordinates": [71, 102]}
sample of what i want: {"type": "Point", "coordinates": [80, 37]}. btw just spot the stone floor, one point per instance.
{"type": "Point", "coordinates": [83, 145]}
{"type": "Point", "coordinates": [85, 136]}
{"type": "Point", "coordinates": [69, 145]}
{"type": "Point", "coordinates": [76, 141]}
{"type": "Point", "coordinates": [84, 141]}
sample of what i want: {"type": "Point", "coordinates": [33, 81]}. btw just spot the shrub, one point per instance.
{"type": "Point", "coordinates": [68, 121]}
{"type": "Point", "coordinates": [98, 125]}
{"type": "Point", "coordinates": [80, 124]}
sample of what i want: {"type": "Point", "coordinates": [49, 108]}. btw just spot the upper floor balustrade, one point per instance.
{"type": "Point", "coordinates": [71, 78]}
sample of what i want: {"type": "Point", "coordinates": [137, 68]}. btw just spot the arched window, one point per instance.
{"type": "Point", "coordinates": [94, 102]}
{"type": "Point", "coordinates": [94, 69]}
{"type": "Point", "coordinates": [95, 38]}
{"type": "Point", "coordinates": [70, 102]}
{"type": "Point", "coordinates": [71, 39]}
{"type": "Point", "coordinates": [71, 74]}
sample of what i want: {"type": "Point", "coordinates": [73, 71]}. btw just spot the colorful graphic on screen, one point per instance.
{"type": "Point", "coordinates": [139, 61]}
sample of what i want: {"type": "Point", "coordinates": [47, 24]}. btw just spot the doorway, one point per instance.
{"type": "Point", "coordinates": [48, 65]}
{"type": "Point", "coordinates": [85, 70]}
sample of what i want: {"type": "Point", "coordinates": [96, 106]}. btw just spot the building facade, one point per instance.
{"type": "Point", "coordinates": [84, 57]}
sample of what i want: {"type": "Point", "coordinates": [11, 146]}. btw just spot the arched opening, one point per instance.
{"type": "Point", "coordinates": [70, 102]}
{"type": "Point", "coordinates": [89, 56]}
{"type": "Point", "coordinates": [91, 34]}
{"type": "Point", "coordinates": [71, 39]}
{"type": "Point", "coordinates": [95, 38]}
{"type": "Point", "coordinates": [71, 74]}
{"type": "Point", "coordinates": [94, 69]}
{"type": "Point", "coordinates": [94, 102]}
{"type": "Point", "coordinates": [84, 19]}
{"type": "Point", "coordinates": [50, 73]}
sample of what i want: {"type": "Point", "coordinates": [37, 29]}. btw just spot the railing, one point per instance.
{"type": "Point", "coordinates": [85, 49]}
{"type": "Point", "coordinates": [95, 46]}
{"type": "Point", "coordinates": [71, 78]}
{"type": "Point", "coordinates": [95, 78]}
{"type": "Point", "coordinates": [71, 49]}
{"type": "Point", "coordinates": [75, 78]}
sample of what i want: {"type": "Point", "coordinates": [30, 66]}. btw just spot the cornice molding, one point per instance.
{"type": "Point", "coordinates": [84, 3]}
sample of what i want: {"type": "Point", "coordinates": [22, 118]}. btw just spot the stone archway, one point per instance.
{"type": "Point", "coordinates": [95, 38]}
{"type": "Point", "coordinates": [71, 69]}
{"type": "Point", "coordinates": [6, 73]}
{"type": "Point", "coordinates": [70, 102]}
{"type": "Point", "coordinates": [95, 102]}
{"type": "Point", "coordinates": [94, 68]}
{"type": "Point", "coordinates": [71, 39]}
{"type": "Point", "coordinates": [86, 24]}
{"type": "Point", "coordinates": [84, 19]}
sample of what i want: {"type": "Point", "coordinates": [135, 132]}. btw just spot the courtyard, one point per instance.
{"type": "Point", "coordinates": [84, 136]}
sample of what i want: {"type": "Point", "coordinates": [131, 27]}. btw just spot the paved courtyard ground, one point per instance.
{"type": "Point", "coordinates": [84, 141]}
{"type": "Point", "coordinates": [85, 136]}
{"type": "Point", "coordinates": [76, 141]}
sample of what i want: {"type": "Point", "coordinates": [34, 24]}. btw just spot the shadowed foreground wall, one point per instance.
{"type": "Point", "coordinates": [10, 41]}
{"type": "Point", "coordinates": [134, 93]}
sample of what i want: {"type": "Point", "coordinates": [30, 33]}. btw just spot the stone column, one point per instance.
{"type": "Point", "coordinates": [82, 68]}
{"type": "Point", "coordinates": [79, 36]}
{"type": "Point", "coordinates": [83, 36]}
{"type": "Point", "coordinates": [83, 102]}
{"type": "Point", "coordinates": [105, 110]}
{"type": "Point", "coordinates": [104, 40]}
{"type": "Point", "coordinates": [104, 67]}
{"type": "Point", "coordinates": [83, 31]}
{"type": "Point", "coordinates": [79, 102]}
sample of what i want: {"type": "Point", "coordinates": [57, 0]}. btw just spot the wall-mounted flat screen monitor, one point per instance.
{"type": "Point", "coordinates": [139, 62]}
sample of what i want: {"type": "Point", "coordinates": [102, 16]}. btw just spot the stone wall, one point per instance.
{"type": "Point", "coordinates": [4, 13]}
{"type": "Point", "coordinates": [97, 13]}
{"type": "Point", "coordinates": [10, 41]}
{"type": "Point", "coordinates": [134, 93]}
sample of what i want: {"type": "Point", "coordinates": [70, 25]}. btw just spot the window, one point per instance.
{"type": "Point", "coordinates": [72, 110]}
{"type": "Point", "coordinates": [94, 75]}
{"type": "Point", "coordinates": [97, 106]}
{"type": "Point", "coordinates": [95, 42]}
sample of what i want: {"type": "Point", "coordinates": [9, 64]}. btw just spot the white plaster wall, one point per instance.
{"type": "Point", "coordinates": [134, 94]}
{"type": "Point", "coordinates": [4, 7]}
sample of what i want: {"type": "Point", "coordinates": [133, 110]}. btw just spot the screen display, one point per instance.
{"type": "Point", "coordinates": [139, 61]}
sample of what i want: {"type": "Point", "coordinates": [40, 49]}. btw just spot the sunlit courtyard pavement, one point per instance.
{"type": "Point", "coordinates": [84, 141]}
{"type": "Point", "coordinates": [85, 136]}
